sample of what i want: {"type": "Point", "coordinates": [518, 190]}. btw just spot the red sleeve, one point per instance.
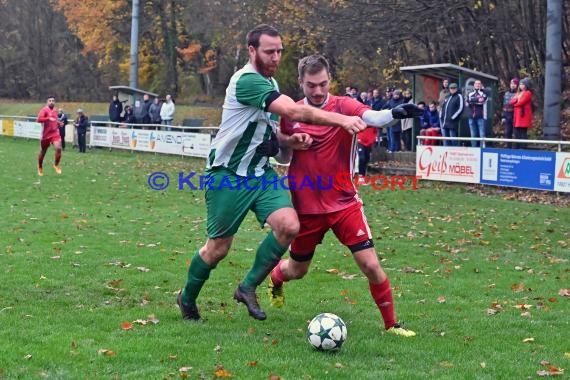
{"type": "Point", "coordinates": [43, 116]}
{"type": "Point", "coordinates": [351, 107]}
{"type": "Point", "coordinates": [525, 98]}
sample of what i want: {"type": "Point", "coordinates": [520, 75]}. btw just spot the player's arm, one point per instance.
{"type": "Point", "coordinates": [284, 106]}
{"type": "Point", "coordinates": [43, 117]}
{"type": "Point", "coordinates": [383, 118]}
{"type": "Point", "coordinates": [289, 143]}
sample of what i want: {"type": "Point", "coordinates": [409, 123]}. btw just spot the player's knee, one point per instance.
{"type": "Point", "coordinates": [288, 229]}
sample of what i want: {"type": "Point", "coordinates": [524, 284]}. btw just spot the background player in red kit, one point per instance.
{"type": "Point", "coordinates": [50, 135]}
{"type": "Point", "coordinates": [338, 207]}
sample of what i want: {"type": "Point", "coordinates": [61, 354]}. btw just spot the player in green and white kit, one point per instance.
{"type": "Point", "coordinates": [243, 180]}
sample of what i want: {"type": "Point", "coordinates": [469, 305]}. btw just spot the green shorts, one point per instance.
{"type": "Point", "coordinates": [229, 197]}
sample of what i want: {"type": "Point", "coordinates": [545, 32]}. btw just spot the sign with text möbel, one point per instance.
{"type": "Point", "coordinates": [27, 129]}
{"type": "Point", "coordinates": [562, 172]}
{"type": "Point", "coordinates": [456, 164]}
{"type": "Point", "coordinates": [518, 168]}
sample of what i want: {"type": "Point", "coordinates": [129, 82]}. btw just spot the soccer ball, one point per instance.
{"type": "Point", "coordinates": [326, 332]}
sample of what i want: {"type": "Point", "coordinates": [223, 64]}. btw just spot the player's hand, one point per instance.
{"type": "Point", "coordinates": [406, 111]}
{"type": "Point", "coordinates": [269, 147]}
{"type": "Point", "coordinates": [352, 124]}
{"type": "Point", "coordinates": [300, 141]}
{"type": "Point", "coordinates": [52, 119]}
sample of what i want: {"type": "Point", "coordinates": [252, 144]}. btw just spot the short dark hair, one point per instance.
{"type": "Point", "coordinates": [422, 102]}
{"type": "Point", "coordinates": [255, 34]}
{"type": "Point", "coordinates": [50, 97]}
{"type": "Point", "coordinates": [313, 64]}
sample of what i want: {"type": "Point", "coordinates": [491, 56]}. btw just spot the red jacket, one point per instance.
{"type": "Point", "coordinates": [522, 110]}
{"type": "Point", "coordinates": [50, 127]}
{"type": "Point", "coordinates": [368, 136]}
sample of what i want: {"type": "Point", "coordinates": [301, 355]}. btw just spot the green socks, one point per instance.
{"type": "Point", "coordinates": [266, 258]}
{"type": "Point", "coordinates": [198, 273]}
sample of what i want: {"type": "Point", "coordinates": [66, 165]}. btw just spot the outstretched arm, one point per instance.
{"type": "Point", "coordinates": [286, 107]}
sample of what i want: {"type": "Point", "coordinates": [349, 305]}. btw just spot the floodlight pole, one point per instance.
{"type": "Point", "coordinates": [553, 70]}
{"type": "Point", "coordinates": [134, 73]}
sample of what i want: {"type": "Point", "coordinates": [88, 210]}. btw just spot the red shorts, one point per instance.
{"type": "Point", "coordinates": [45, 142]}
{"type": "Point", "coordinates": [349, 226]}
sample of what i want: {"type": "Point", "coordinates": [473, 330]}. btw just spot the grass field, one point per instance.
{"type": "Point", "coordinates": [91, 261]}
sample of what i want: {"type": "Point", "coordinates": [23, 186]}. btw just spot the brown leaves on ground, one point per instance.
{"type": "Point", "coordinates": [221, 372]}
{"type": "Point", "coordinates": [549, 370]}
{"type": "Point", "coordinates": [141, 322]}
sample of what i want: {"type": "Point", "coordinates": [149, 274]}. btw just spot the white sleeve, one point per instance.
{"type": "Point", "coordinates": [377, 118]}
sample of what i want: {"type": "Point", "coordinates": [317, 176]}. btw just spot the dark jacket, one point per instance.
{"type": "Point", "coordinates": [476, 100]}
{"type": "Point", "coordinates": [115, 111]}
{"type": "Point", "coordinates": [82, 123]}
{"type": "Point", "coordinates": [393, 103]}
{"type": "Point", "coordinates": [451, 111]}
{"type": "Point", "coordinates": [154, 113]}
{"type": "Point", "coordinates": [507, 106]}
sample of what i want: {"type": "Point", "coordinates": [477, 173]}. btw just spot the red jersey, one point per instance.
{"type": "Point", "coordinates": [321, 177]}
{"type": "Point", "coordinates": [50, 129]}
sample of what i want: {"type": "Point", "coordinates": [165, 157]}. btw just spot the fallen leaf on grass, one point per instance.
{"type": "Point", "coordinates": [551, 371]}
{"type": "Point", "coordinates": [275, 377]}
{"type": "Point", "coordinates": [526, 314]}
{"type": "Point", "coordinates": [106, 352]}
{"type": "Point", "coordinates": [441, 299]}
{"type": "Point", "coordinates": [218, 349]}
{"type": "Point", "coordinates": [482, 365]}
{"type": "Point", "coordinates": [332, 270]}
{"type": "Point", "coordinates": [252, 363]}
{"type": "Point", "coordinates": [567, 355]}
{"type": "Point", "coordinates": [564, 292]}
{"type": "Point", "coordinates": [446, 364]}
{"type": "Point", "coordinates": [221, 372]}
{"type": "Point", "coordinates": [517, 287]}
{"type": "Point", "coordinates": [28, 357]}
{"type": "Point", "coordinates": [338, 365]}
{"type": "Point", "coordinates": [126, 325]}
{"type": "Point", "coordinates": [143, 269]}
{"type": "Point", "coordinates": [523, 306]}
{"type": "Point", "coordinates": [528, 340]}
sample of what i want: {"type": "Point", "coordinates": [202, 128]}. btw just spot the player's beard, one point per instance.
{"type": "Point", "coordinates": [51, 106]}
{"type": "Point", "coordinates": [317, 102]}
{"type": "Point", "coordinates": [267, 70]}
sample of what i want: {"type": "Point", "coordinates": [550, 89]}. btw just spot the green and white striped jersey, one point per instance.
{"type": "Point", "coordinates": [245, 124]}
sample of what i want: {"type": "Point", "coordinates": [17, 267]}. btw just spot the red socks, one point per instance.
{"type": "Point", "coordinates": [382, 294]}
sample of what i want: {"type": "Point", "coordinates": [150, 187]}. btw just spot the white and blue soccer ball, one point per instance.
{"type": "Point", "coordinates": [326, 332]}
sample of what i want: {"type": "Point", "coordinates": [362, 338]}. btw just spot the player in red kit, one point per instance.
{"type": "Point", "coordinates": [330, 206]}
{"type": "Point", "coordinates": [50, 135]}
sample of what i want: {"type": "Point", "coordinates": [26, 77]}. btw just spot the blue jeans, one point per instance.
{"type": "Point", "coordinates": [394, 143]}
{"type": "Point", "coordinates": [477, 129]}
{"type": "Point", "coordinates": [449, 133]}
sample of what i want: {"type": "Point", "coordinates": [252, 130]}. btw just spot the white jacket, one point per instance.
{"type": "Point", "coordinates": [167, 110]}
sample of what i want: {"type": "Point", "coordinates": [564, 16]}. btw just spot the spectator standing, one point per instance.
{"type": "Point", "coordinates": [167, 112]}
{"type": "Point", "coordinates": [395, 131]}
{"type": "Point", "coordinates": [522, 104]}
{"type": "Point", "coordinates": [115, 110]}
{"type": "Point", "coordinates": [477, 102]}
{"type": "Point", "coordinates": [154, 111]}
{"type": "Point", "coordinates": [508, 110]}
{"type": "Point", "coordinates": [81, 124]}
{"type": "Point", "coordinates": [145, 114]}
{"type": "Point", "coordinates": [451, 115]}
{"type": "Point", "coordinates": [407, 124]}
{"type": "Point", "coordinates": [62, 122]}
{"type": "Point", "coordinates": [443, 93]}
{"type": "Point", "coordinates": [363, 98]}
